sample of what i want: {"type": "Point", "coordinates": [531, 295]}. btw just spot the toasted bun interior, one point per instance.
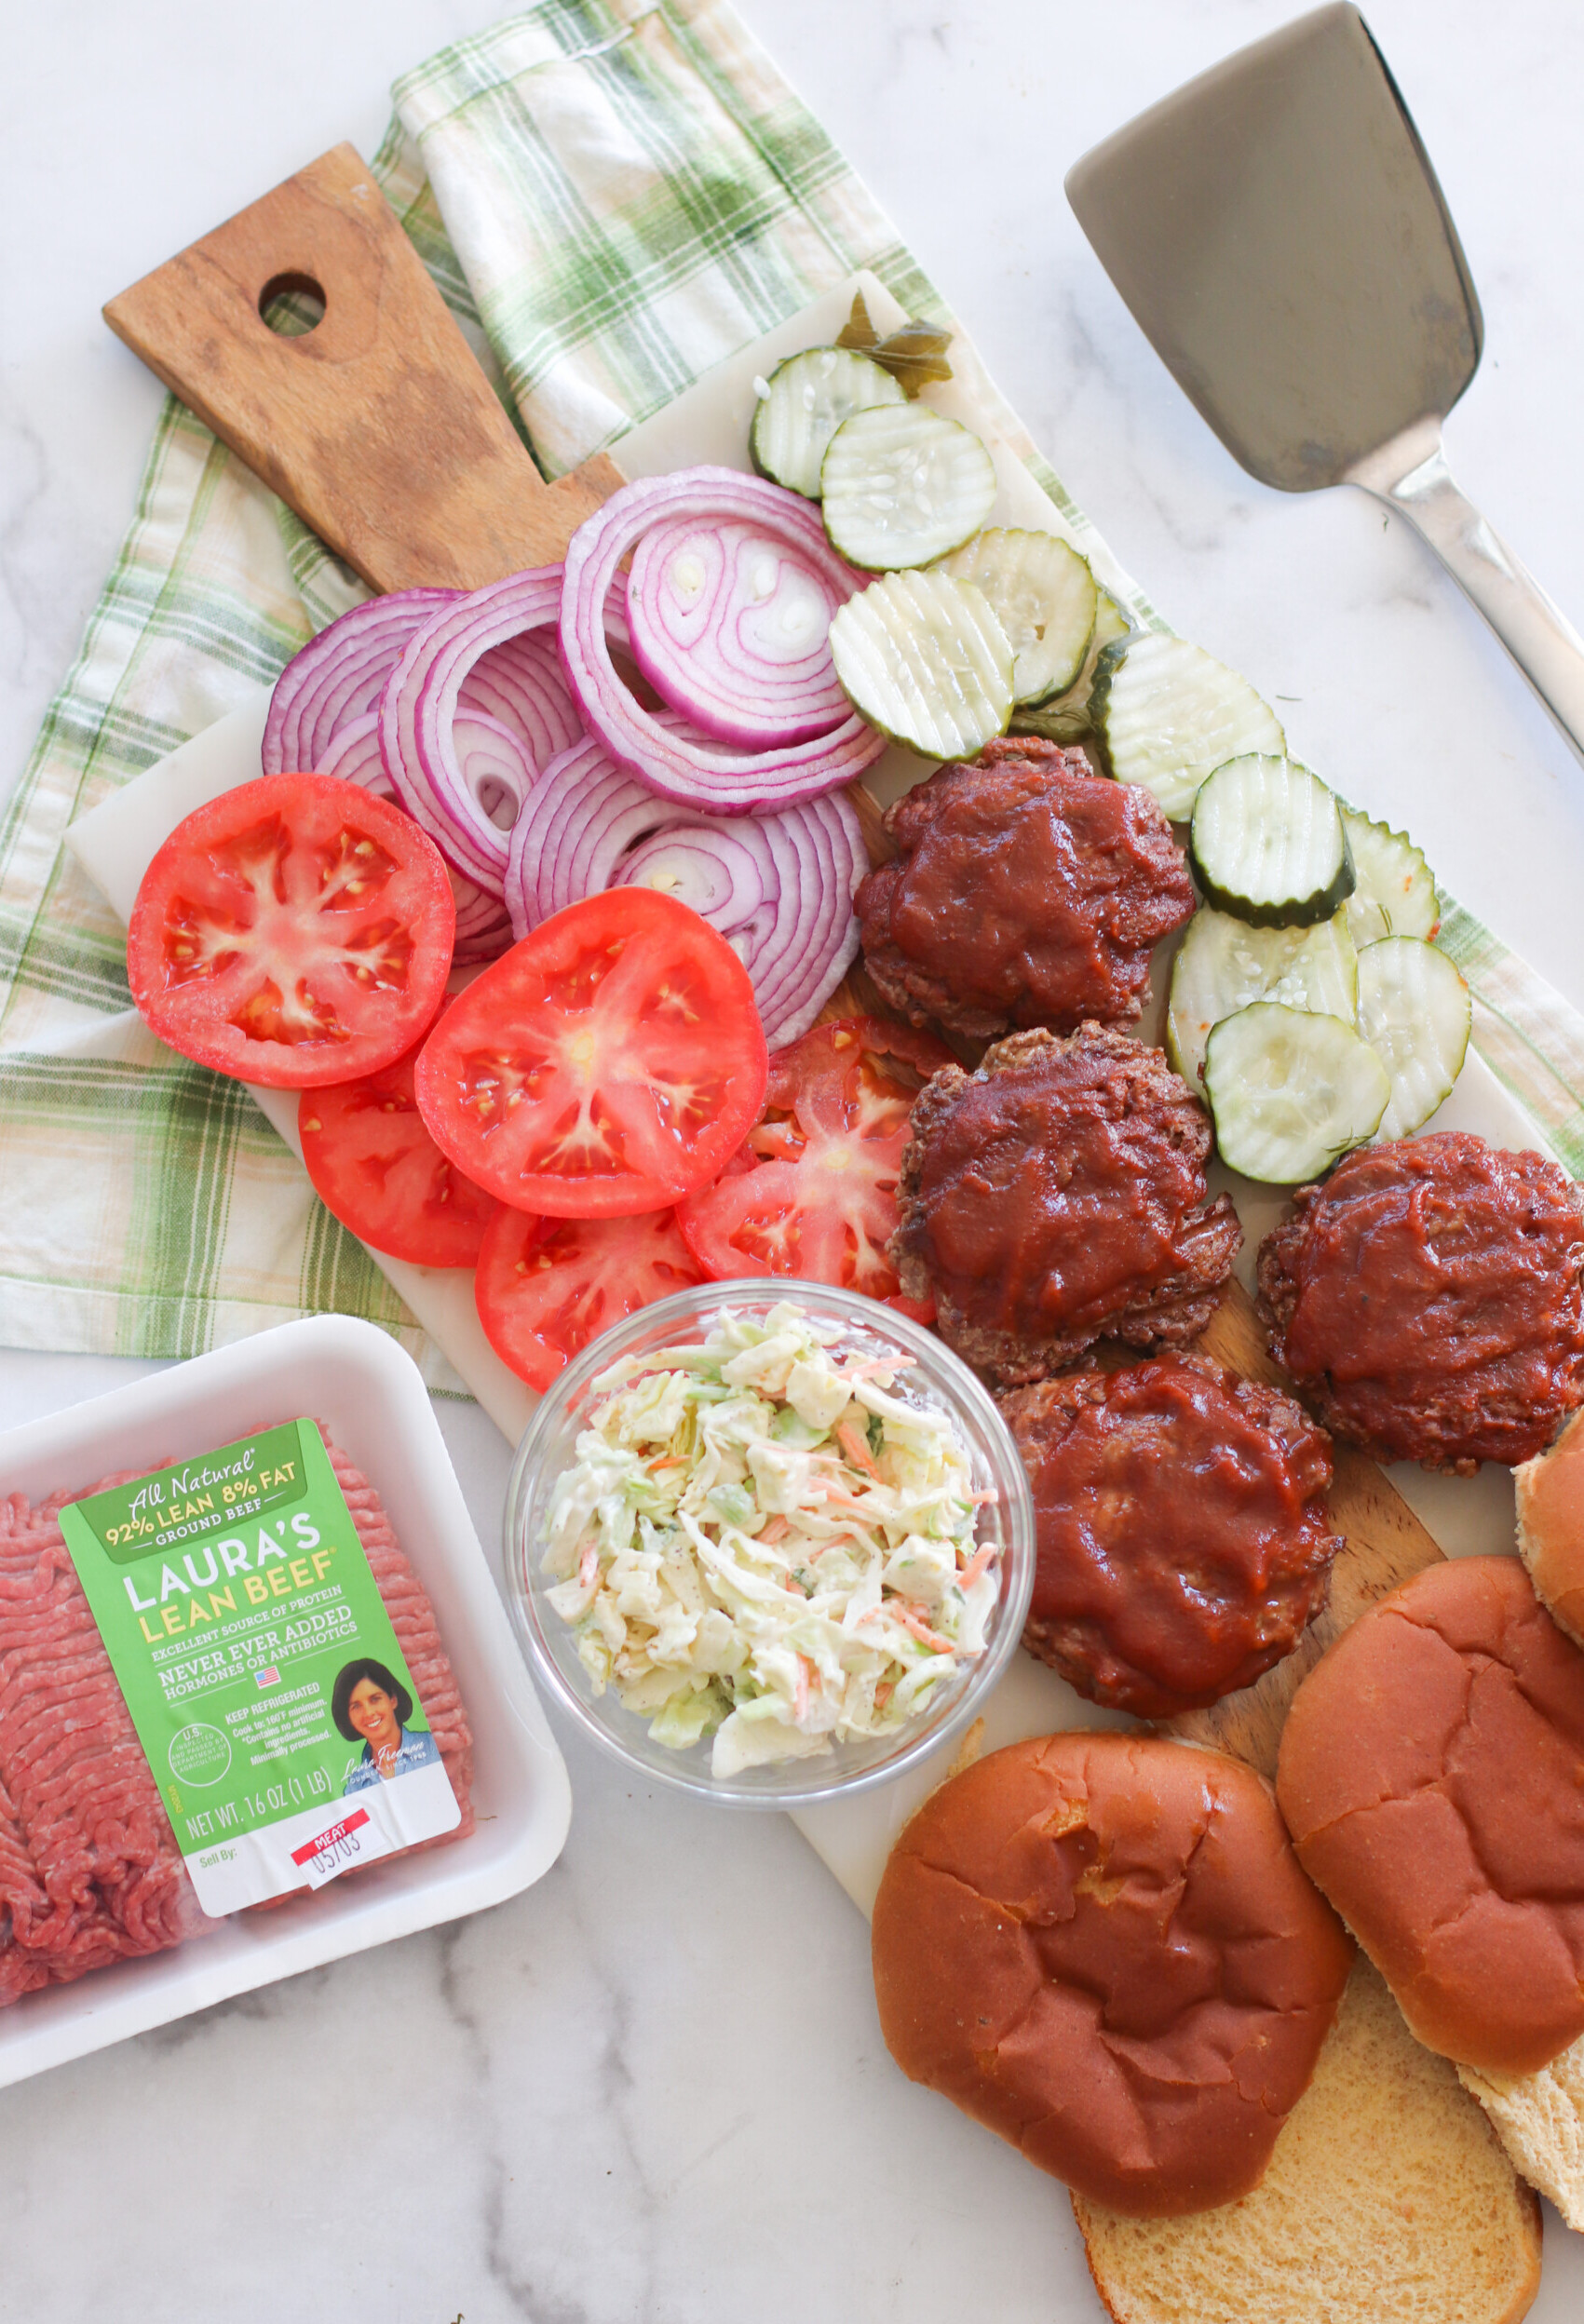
{"type": "Point", "coordinates": [1102, 1947]}
{"type": "Point", "coordinates": [1551, 1526]}
{"type": "Point", "coordinates": [1432, 1776]}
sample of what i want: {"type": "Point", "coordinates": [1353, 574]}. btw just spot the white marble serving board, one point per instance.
{"type": "Point", "coordinates": [710, 422]}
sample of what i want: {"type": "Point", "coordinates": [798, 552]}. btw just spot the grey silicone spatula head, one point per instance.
{"type": "Point", "coordinates": [1277, 232]}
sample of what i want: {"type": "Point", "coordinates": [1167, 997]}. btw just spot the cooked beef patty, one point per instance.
{"type": "Point", "coordinates": [1057, 1195]}
{"type": "Point", "coordinates": [1183, 1535]}
{"type": "Point", "coordinates": [1028, 891]}
{"type": "Point", "coordinates": [1426, 1300]}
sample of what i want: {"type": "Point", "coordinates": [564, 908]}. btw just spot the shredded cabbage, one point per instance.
{"type": "Point", "coordinates": [762, 1541]}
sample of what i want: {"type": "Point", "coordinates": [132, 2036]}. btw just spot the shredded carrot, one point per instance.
{"type": "Point", "coordinates": [921, 1631]}
{"type": "Point", "coordinates": [884, 1693]}
{"type": "Point", "coordinates": [589, 1567]}
{"type": "Point", "coordinates": [871, 1365]}
{"type": "Point", "coordinates": [843, 1505]}
{"type": "Point", "coordinates": [976, 1564]}
{"type": "Point", "coordinates": [806, 1677]}
{"type": "Point", "coordinates": [857, 1448]}
{"type": "Point", "coordinates": [981, 1500]}
{"type": "Point", "coordinates": [777, 1529]}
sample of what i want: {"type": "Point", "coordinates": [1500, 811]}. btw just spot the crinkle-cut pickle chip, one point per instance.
{"type": "Point", "coordinates": [1394, 889]}
{"type": "Point", "coordinates": [1291, 1091]}
{"type": "Point", "coordinates": [1043, 594]}
{"type": "Point", "coordinates": [1415, 1012]}
{"type": "Point", "coordinates": [922, 657]}
{"type": "Point", "coordinates": [1166, 714]}
{"type": "Point", "coordinates": [902, 485]}
{"type": "Point", "coordinates": [804, 401]}
{"type": "Point", "coordinates": [1223, 965]}
{"type": "Point", "coordinates": [1066, 716]}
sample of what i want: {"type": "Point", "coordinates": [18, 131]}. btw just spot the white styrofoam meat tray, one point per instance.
{"type": "Point", "coordinates": [370, 1397]}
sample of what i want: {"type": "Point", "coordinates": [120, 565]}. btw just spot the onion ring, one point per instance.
{"type": "Point", "coordinates": [778, 886]}
{"type": "Point", "coordinates": [730, 626]}
{"type": "Point", "coordinates": [711, 778]}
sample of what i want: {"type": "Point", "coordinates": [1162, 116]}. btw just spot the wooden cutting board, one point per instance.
{"type": "Point", "coordinates": [377, 425]}
{"type": "Point", "coordinates": [378, 428]}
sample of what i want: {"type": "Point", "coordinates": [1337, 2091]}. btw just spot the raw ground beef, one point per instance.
{"type": "Point", "coordinates": [89, 1869]}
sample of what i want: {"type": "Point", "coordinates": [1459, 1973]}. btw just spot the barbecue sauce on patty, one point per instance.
{"type": "Point", "coordinates": [1029, 891]}
{"type": "Point", "coordinates": [1050, 1204]}
{"type": "Point", "coordinates": [1183, 1535]}
{"type": "Point", "coordinates": [1428, 1299]}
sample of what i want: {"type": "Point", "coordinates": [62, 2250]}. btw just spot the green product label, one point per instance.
{"type": "Point", "coordinates": [260, 1666]}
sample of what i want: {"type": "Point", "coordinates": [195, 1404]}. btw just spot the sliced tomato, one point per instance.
{"type": "Point", "coordinates": [376, 1169]}
{"type": "Point", "coordinates": [609, 1063]}
{"type": "Point", "coordinates": [546, 1287]}
{"type": "Point", "coordinates": [820, 1201]}
{"type": "Point", "coordinates": [294, 932]}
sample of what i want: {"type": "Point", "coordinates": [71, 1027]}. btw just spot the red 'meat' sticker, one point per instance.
{"type": "Point", "coordinates": [328, 1839]}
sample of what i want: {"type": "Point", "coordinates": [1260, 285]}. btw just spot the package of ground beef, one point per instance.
{"type": "Point", "coordinates": [91, 1869]}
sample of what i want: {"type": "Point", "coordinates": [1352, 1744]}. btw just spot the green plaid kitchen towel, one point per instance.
{"type": "Point", "coordinates": [630, 193]}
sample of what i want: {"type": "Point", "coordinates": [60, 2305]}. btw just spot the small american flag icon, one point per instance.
{"type": "Point", "coordinates": [267, 1677]}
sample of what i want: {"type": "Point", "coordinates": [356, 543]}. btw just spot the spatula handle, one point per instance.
{"type": "Point", "coordinates": [1538, 636]}
{"type": "Point", "coordinates": [377, 427]}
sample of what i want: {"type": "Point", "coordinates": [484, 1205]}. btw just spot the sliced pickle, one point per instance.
{"type": "Point", "coordinates": [1045, 598]}
{"type": "Point", "coordinates": [922, 657]}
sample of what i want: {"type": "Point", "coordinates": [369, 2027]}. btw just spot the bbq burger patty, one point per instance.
{"type": "Point", "coordinates": [1426, 1300]}
{"type": "Point", "coordinates": [1430, 1776]}
{"type": "Point", "coordinates": [1028, 891]}
{"type": "Point", "coordinates": [1182, 1540]}
{"type": "Point", "coordinates": [1102, 1948]}
{"type": "Point", "coordinates": [1058, 1193]}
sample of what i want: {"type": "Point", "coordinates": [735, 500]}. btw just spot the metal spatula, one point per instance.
{"type": "Point", "coordinates": [1277, 232]}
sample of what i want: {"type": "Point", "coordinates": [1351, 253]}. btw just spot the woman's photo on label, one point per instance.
{"type": "Point", "coordinates": [369, 1703]}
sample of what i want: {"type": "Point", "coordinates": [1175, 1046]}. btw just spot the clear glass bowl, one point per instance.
{"type": "Point", "coordinates": [867, 1328]}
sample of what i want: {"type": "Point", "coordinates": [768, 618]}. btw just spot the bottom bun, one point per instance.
{"type": "Point", "coordinates": [1539, 2119]}
{"type": "Point", "coordinates": [1387, 2197]}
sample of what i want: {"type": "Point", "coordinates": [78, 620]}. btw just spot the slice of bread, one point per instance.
{"type": "Point", "coordinates": [1539, 2119]}
{"type": "Point", "coordinates": [1387, 2197]}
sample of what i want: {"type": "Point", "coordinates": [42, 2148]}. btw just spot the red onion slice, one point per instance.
{"type": "Point", "coordinates": [419, 707]}
{"type": "Point", "coordinates": [730, 626]}
{"type": "Point", "coordinates": [354, 756]}
{"type": "Point", "coordinates": [714, 779]}
{"type": "Point", "coordinates": [521, 684]}
{"type": "Point", "coordinates": [497, 772]}
{"type": "Point", "coordinates": [778, 886]}
{"type": "Point", "coordinates": [484, 926]}
{"type": "Point", "coordinates": [339, 677]}
{"type": "Point", "coordinates": [492, 652]}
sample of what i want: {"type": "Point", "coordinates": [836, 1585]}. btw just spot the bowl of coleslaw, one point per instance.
{"type": "Point", "coordinates": [766, 1541]}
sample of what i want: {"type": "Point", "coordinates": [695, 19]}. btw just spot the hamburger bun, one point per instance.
{"type": "Point", "coordinates": [1387, 2198]}
{"type": "Point", "coordinates": [1431, 1774]}
{"type": "Point", "coordinates": [1551, 1527]}
{"type": "Point", "coordinates": [1102, 1947]}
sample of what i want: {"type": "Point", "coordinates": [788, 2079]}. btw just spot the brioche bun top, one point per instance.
{"type": "Point", "coordinates": [1102, 1946]}
{"type": "Point", "coordinates": [1432, 1776]}
{"type": "Point", "coordinates": [1551, 1527]}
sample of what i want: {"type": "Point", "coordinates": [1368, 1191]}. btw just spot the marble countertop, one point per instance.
{"type": "Point", "coordinates": [652, 2087]}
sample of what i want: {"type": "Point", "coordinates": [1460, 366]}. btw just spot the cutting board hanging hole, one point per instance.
{"type": "Point", "coordinates": [379, 428]}
{"type": "Point", "coordinates": [292, 305]}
